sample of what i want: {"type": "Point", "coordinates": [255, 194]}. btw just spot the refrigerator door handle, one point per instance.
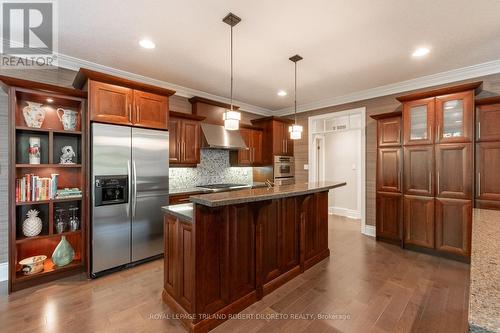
{"type": "Point", "coordinates": [134, 198]}
{"type": "Point", "coordinates": [129, 176]}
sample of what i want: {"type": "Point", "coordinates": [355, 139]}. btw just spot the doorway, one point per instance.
{"type": "Point", "coordinates": [337, 152]}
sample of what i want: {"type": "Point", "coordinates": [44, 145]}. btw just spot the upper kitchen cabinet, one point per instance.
{"type": "Point", "coordinates": [121, 101]}
{"type": "Point", "coordinates": [488, 119]}
{"type": "Point", "coordinates": [184, 139]}
{"type": "Point", "coordinates": [454, 117]}
{"type": "Point", "coordinates": [252, 156]}
{"type": "Point", "coordinates": [418, 122]}
{"type": "Point", "coordinates": [276, 136]}
{"type": "Point", "coordinates": [110, 103]}
{"type": "Point", "coordinates": [442, 115]}
{"type": "Point", "coordinates": [389, 130]}
{"type": "Point", "coordinates": [151, 110]}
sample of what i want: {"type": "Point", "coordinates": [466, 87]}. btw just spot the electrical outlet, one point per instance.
{"type": "Point", "coordinates": [306, 166]}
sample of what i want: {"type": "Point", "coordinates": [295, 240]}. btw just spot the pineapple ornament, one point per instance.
{"type": "Point", "coordinates": [32, 226]}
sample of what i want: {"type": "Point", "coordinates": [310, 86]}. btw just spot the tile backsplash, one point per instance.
{"type": "Point", "coordinates": [214, 168]}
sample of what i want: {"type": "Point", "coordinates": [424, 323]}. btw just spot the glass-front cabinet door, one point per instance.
{"type": "Point", "coordinates": [418, 122]}
{"type": "Point", "coordinates": [454, 114]}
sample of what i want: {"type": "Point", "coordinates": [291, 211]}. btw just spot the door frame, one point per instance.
{"type": "Point", "coordinates": [365, 229]}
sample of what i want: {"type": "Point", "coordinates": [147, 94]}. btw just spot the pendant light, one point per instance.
{"type": "Point", "coordinates": [231, 117]}
{"type": "Point", "coordinates": [295, 129]}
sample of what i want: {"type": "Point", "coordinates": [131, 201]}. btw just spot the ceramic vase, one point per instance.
{"type": "Point", "coordinates": [63, 254]}
{"type": "Point", "coordinates": [34, 114]}
{"type": "Point", "coordinates": [68, 119]}
{"type": "Point", "coordinates": [32, 226]}
{"type": "Point", "coordinates": [34, 150]}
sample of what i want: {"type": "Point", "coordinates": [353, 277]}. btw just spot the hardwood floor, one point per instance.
{"type": "Point", "coordinates": [364, 286]}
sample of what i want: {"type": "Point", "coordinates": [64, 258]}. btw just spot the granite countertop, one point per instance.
{"type": "Point", "coordinates": [484, 299]}
{"type": "Point", "coordinates": [187, 190]}
{"type": "Point", "coordinates": [259, 194]}
{"type": "Point", "coordinates": [181, 211]}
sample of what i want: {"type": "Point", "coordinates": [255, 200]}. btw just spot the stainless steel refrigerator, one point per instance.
{"type": "Point", "coordinates": [130, 185]}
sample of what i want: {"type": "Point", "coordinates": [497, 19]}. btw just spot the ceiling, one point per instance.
{"type": "Point", "coordinates": [348, 46]}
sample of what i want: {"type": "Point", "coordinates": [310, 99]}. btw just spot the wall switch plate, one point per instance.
{"type": "Point", "coordinates": [306, 166]}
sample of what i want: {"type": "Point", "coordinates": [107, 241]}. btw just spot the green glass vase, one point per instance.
{"type": "Point", "coordinates": [63, 254]}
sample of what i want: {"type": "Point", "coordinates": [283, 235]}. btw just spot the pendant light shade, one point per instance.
{"type": "Point", "coordinates": [231, 117]}
{"type": "Point", "coordinates": [232, 120]}
{"type": "Point", "coordinates": [295, 129]}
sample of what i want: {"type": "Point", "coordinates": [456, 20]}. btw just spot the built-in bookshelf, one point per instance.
{"type": "Point", "coordinates": [43, 181]}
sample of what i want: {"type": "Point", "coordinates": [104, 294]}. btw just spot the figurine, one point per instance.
{"type": "Point", "coordinates": [67, 155]}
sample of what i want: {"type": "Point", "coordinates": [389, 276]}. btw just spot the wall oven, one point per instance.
{"type": "Point", "coordinates": [284, 170]}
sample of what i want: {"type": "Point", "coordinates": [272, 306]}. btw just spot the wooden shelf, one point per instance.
{"type": "Point", "coordinates": [48, 165]}
{"type": "Point", "coordinates": [49, 269]}
{"type": "Point", "coordinates": [47, 130]}
{"type": "Point", "coordinates": [35, 238]}
{"type": "Point", "coordinates": [47, 201]}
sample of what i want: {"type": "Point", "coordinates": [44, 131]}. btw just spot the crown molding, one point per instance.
{"type": "Point", "coordinates": [465, 73]}
{"type": "Point", "coordinates": [75, 64]}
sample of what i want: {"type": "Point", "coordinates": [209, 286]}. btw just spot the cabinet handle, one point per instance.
{"type": "Point", "coordinates": [286, 146]}
{"type": "Point", "coordinates": [400, 176]}
{"type": "Point", "coordinates": [479, 184]}
{"type": "Point", "coordinates": [137, 113]}
{"type": "Point", "coordinates": [438, 183]}
{"type": "Point", "coordinates": [130, 112]}
{"type": "Point", "coordinates": [283, 145]}
{"type": "Point", "coordinates": [439, 133]}
{"type": "Point", "coordinates": [479, 130]}
{"type": "Point", "coordinates": [430, 182]}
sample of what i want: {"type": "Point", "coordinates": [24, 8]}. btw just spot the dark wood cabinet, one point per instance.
{"type": "Point", "coordinates": [314, 228]}
{"type": "Point", "coordinates": [178, 259]}
{"type": "Point", "coordinates": [190, 144]}
{"type": "Point", "coordinates": [454, 117]}
{"type": "Point", "coordinates": [488, 121]}
{"type": "Point", "coordinates": [487, 168]}
{"type": "Point", "coordinates": [419, 221]}
{"type": "Point", "coordinates": [389, 169]}
{"type": "Point", "coordinates": [289, 243]}
{"type": "Point", "coordinates": [151, 110]}
{"type": "Point", "coordinates": [253, 155]}
{"type": "Point", "coordinates": [275, 137]}
{"type": "Point", "coordinates": [110, 103]}
{"type": "Point", "coordinates": [124, 106]}
{"type": "Point", "coordinates": [120, 101]}
{"type": "Point", "coordinates": [389, 216]}
{"type": "Point", "coordinates": [389, 131]}
{"type": "Point", "coordinates": [184, 140]}
{"type": "Point", "coordinates": [269, 240]}
{"type": "Point", "coordinates": [175, 134]}
{"type": "Point", "coordinates": [418, 122]}
{"type": "Point", "coordinates": [454, 170]}
{"type": "Point", "coordinates": [419, 170]}
{"type": "Point", "coordinates": [241, 251]}
{"type": "Point", "coordinates": [453, 226]}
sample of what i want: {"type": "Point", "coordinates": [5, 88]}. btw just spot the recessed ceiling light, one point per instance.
{"type": "Point", "coordinates": [147, 44]}
{"type": "Point", "coordinates": [282, 93]}
{"type": "Point", "coordinates": [420, 52]}
{"type": "Point", "coordinates": [49, 100]}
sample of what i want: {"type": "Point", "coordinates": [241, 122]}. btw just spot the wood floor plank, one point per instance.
{"type": "Point", "coordinates": [364, 286]}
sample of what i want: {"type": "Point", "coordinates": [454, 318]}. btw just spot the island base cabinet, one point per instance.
{"type": "Point", "coordinates": [453, 226]}
{"type": "Point", "coordinates": [231, 256]}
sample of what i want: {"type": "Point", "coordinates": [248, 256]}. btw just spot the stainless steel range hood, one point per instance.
{"type": "Point", "coordinates": [217, 137]}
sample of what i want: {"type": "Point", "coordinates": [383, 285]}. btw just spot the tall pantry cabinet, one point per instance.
{"type": "Point", "coordinates": [437, 177]}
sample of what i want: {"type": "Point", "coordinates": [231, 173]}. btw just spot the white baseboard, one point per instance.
{"type": "Point", "coordinates": [350, 213]}
{"type": "Point", "coordinates": [4, 271]}
{"type": "Point", "coordinates": [369, 230]}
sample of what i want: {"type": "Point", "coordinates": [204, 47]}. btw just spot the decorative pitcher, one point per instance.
{"type": "Point", "coordinates": [68, 119]}
{"type": "Point", "coordinates": [34, 114]}
{"type": "Point", "coordinates": [63, 254]}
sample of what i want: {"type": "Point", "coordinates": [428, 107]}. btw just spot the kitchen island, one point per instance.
{"type": "Point", "coordinates": [225, 251]}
